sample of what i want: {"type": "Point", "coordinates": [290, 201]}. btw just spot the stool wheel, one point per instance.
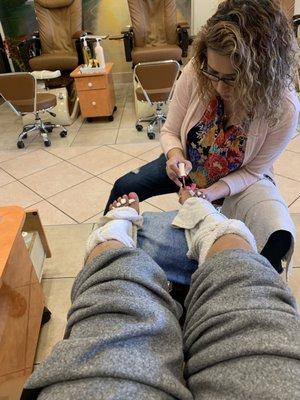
{"type": "Point", "coordinates": [151, 135]}
{"type": "Point", "coordinates": [20, 144]}
{"type": "Point", "coordinates": [47, 143]}
{"type": "Point", "coordinates": [110, 118]}
{"type": "Point", "coordinates": [63, 133]}
{"type": "Point", "coordinates": [139, 127]}
{"type": "Point", "coordinates": [115, 108]}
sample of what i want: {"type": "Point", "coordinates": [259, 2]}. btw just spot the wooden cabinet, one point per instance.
{"type": "Point", "coordinates": [96, 92]}
{"type": "Point", "coordinates": [21, 300]}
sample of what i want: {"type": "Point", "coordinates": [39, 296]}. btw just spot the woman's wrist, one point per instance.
{"type": "Point", "coordinates": [217, 191]}
{"type": "Point", "coordinates": [176, 151]}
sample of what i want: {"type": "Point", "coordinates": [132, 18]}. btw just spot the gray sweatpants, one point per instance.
{"type": "Point", "coordinates": [241, 338]}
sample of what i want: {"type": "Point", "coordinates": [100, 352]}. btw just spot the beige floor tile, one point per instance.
{"type": "Point", "coordinates": [55, 179]}
{"type": "Point", "coordinates": [17, 194]}
{"type": "Point", "coordinates": [289, 189]}
{"type": "Point", "coordinates": [147, 207]}
{"type": "Point", "coordinates": [295, 145]}
{"type": "Point", "coordinates": [5, 178]}
{"type": "Point", "coordinates": [296, 219]}
{"type": "Point", "coordinates": [295, 207]}
{"type": "Point", "coordinates": [95, 137]}
{"type": "Point", "coordinates": [94, 219]}
{"type": "Point", "coordinates": [131, 135]}
{"type": "Point", "coordinates": [12, 154]}
{"type": "Point", "coordinates": [152, 154]}
{"type": "Point", "coordinates": [57, 295]}
{"type": "Point", "coordinates": [84, 200]}
{"type": "Point", "coordinates": [166, 202]}
{"type": "Point", "coordinates": [67, 244]}
{"type": "Point", "coordinates": [51, 215]}
{"type": "Point", "coordinates": [99, 160]}
{"type": "Point", "coordinates": [288, 165]}
{"type": "Point", "coordinates": [294, 284]}
{"type": "Point", "coordinates": [113, 174]}
{"type": "Point", "coordinates": [29, 163]}
{"type": "Point", "coordinates": [69, 152]}
{"type": "Point", "coordinates": [135, 149]}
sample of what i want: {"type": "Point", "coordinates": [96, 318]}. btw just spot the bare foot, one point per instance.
{"type": "Point", "coordinates": [184, 194]}
{"type": "Point", "coordinates": [127, 201]}
{"type": "Point", "coordinates": [190, 191]}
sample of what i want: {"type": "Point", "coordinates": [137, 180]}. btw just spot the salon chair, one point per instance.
{"type": "Point", "coordinates": [57, 46]}
{"type": "Point", "coordinates": [156, 92]}
{"type": "Point", "coordinates": [19, 91]}
{"type": "Point", "coordinates": [53, 47]}
{"type": "Point", "coordinates": [155, 34]}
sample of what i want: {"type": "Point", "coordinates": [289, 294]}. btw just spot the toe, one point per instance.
{"type": "Point", "coordinates": [124, 200]}
{"type": "Point", "coordinates": [112, 205]}
{"type": "Point", "coordinates": [134, 204]}
{"type": "Point", "coordinates": [133, 195]}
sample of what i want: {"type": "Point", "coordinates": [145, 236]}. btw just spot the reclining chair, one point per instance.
{"type": "Point", "coordinates": [57, 46]}
{"type": "Point", "coordinates": [155, 34]}
{"type": "Point", "coordinates": [19, 91]}
{"type": "Point", "coordinates": [155, 92]}
{"type": "Point", "coordinates": [54, 47]}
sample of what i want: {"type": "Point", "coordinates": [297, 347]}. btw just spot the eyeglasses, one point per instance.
{"type": "Point", "coordinates": [216, 78]}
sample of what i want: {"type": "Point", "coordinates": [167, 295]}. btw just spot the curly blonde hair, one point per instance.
{"type": "Point", "coordinates": [259, 40]}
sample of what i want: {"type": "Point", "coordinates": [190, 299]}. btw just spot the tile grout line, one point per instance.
{"type": "Point", "coordinates": [46, 198]}
{"type": "Point", "coordinates": [136, 156]}
{"type": "Point", "coordinates": [294, 201]}
{"type": "Point", "coordinates": [67, 215]}
{"type": "Point", "coordinates": [21, 155]}
{"type": "Point", "coordinates": [43, 169]}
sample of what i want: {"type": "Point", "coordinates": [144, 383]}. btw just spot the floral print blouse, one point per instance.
{"type": "Point", "coordinates": [214, 150]}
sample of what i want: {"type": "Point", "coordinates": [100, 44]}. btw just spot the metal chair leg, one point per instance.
{"type": "Point", "coordinates": [24, 133]}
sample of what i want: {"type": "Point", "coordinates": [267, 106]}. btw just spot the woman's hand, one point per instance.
{"type": "Point", "coordinates": [175, 156]}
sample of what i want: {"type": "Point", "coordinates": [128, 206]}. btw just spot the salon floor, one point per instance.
{"type": "Point", "coordinates": [69, 184]}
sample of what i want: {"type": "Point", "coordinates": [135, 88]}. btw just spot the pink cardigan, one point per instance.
{"type": "Point", "coordinates": [264, 143]}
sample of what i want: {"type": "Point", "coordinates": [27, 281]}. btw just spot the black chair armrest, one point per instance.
{"type": "Point", "coordinates": [78, 34]}
{"type": "Point", "coordinates": [127, 36]}
{"type": "Point", "coordinates": [127, 28]}
{"type": "Point", "coordinates": [29, 48]}
{"type": "Point", "coordinates": [183, 38]}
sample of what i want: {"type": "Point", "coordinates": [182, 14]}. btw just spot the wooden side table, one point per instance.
{"type": "Point", "coordinates": [96, 92]}
{"type": "Point", "coordinates": [21, 300]}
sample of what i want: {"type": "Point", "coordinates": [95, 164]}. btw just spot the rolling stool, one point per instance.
{"type": "Point", "coordinates": [20, 92]}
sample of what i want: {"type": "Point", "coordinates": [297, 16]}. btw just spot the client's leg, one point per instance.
{"type": "Point", "coordinates": [122, 340]}
{"type": "Point", "coordinates": [241, 334]}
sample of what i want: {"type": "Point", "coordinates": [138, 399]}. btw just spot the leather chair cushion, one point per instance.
{"type": "Point", "coordinates": [161, 53]}
{"type": "Point", "coordinates": [159, 96]}
{"type": "Point", "coordinates": [43, 101]}
{"type": "Point", "coordinates": [52, 62]}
